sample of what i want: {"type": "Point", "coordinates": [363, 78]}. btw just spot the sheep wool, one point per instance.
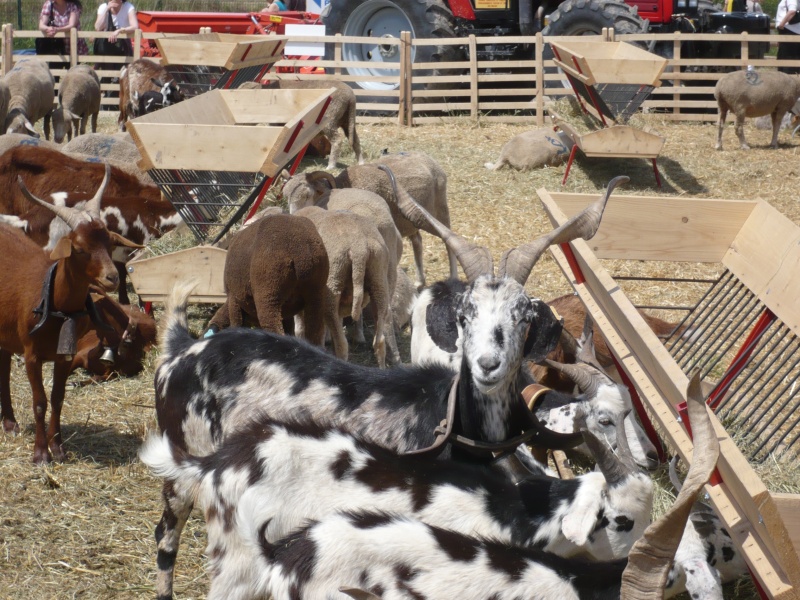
{"type": "Point", "coordinates": [534, 150]}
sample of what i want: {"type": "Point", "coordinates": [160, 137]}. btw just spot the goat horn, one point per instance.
{"type": "Point", "coordinates": [322, 175]}
{"type": "Point", "coordinates": [613, 467]}
{"type": "Point", "coordinates": [475, 260]}
{"type": "Point", "coordinates": [651, 556]}
{"type": "Point", "coordinates": [585, 377]}
{"type": "Point", "coordinates": [586, 350]}
{"type": "Point", "coordinates": [517, 263]}
{"type": "Point", "coordinates": [71, 216]}
{"type": "Point", "coordinates": [93, 206]}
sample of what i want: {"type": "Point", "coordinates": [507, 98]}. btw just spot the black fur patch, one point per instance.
{"type": "Point", "coordinates": [544, 332]}
{"type": "Point", "coordinates": [499, 338]}
{"type": "Point", "coordinates": [507, 562]}
{"type": "Point", "coordinates": [623, 523]}
{"type": "Point", "coordinates": [404, 572]}
{"type": "Point", "coordinates": [457, 547]}
{"type": "Point", "coordinates": [369, 520]}
{"type": "Point", "coordinates": [342, 465]}
{"type": "Point", "coordinates": [296, 553]}
{"type": "Point", "coordinates": [440, 316]}
{"type": "Point", "coordinates": [711, 551]}
{"type": "Point", "coordinates": [728, 553]}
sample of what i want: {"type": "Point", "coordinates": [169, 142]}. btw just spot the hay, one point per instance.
{"type": "Point", "coordinates": [84, 529]}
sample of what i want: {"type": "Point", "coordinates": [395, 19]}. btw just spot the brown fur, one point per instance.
{"type": "Point", "coordinates": [137, 78]}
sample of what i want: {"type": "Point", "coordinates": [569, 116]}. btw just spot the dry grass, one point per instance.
{"type": "Point", "coordinates": [84, 529]}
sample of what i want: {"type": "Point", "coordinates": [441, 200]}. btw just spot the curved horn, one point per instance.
{"type": "Point", "coordinates": [475, 260]}
{"type": "Point", "coordinates": [586, 378]}
{"type": "Point", "coordinates": [518, 262]}
{"type": "Point", "coordinates": [586, 350]}
{"type": "Point", "coordinates": [651, 556]}
{"type": "Point", "coordinates": [315, 175]}
{"type": "Point", "coordinates": [71, 216]}
{"type": "Point", "coordinates": [613, 468]}
{"type": "Point", "coordinates": [93, 206]}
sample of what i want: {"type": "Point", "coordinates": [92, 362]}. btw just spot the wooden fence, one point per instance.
{"type": "Point", "coordinates": [508, 91]}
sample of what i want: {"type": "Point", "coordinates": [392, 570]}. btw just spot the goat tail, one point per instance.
{"type": "Point", "coordinates": [169, 462]}
{"type": "Point", "coordinates": [175, 331]}
{"type": "Point", "coordinates": [359, 261]}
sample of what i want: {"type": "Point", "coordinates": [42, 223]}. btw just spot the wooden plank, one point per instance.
{"type": "Point", "coordinates": [789, 507]}
{"type": "Point", "coordinates": [742, 496]}
{"type": "Point", "coordinates": [612, 62]}
{"type": "Point", "coordinates": [256, 107]}
{"type": "Point", "coordinates": [658, 228]}
{"type": "Point", "coordinates": [622, 141]}
{"type": "Point", "coordinates": [154, 277]}
{"type": "Point", "coordinates": [765, 256]}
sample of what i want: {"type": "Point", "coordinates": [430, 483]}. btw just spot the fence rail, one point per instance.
{"type": "Point", "coordinates": [411, 92]}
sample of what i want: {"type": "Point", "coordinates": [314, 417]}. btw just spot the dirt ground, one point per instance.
{"type": "Point", "coordinates": [84, 528]}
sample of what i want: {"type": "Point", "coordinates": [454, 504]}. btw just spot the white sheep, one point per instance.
{"type": "Point", "coordinates": [32, 92]}
{"type": "Point", "coordinates": [534, 150]}
{"type": "Point", "coordinates": [78, 100]}
{"type": "Point", "coordinates": [359, 265]}
{"type": "Point", "coordinates": [5, 99]}
{"type": "Point", "coordinates": [755, 94]}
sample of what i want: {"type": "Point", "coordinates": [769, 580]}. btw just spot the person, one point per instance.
{"type": "Point", "coordinates": [66, 15]}
{"type": "Point", "coordinates": [788, 51]}
{"type": "Point", "coordinates": [123, 20]}
{"type": "Point", "coordinates": [283, 6]}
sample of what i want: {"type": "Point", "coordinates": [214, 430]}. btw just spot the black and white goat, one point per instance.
{"type": "Point", "coordinates": [271, 478]}
{"type": "Point", "coordinates": [207, 388]}
{"type": "Point", "coordinates": [436, 337]}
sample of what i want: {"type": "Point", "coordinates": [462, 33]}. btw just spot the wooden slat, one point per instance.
{"type": "Point", "coordinates": [789, 507]}
{"type": "Point", "coordinates": [154, 277]}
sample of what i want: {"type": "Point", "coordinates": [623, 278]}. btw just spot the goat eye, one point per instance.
{"type": "Point", "coordinates": [605, 421]}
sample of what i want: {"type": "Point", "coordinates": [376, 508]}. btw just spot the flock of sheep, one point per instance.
{"type": "Point", "coordinates": [319, 478]}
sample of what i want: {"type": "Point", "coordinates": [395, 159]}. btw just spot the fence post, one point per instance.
{"type": "Point", "coordinates": [473, 77]}
{"type": "Point", "coordinates": [539, 80]}
{"type": "Point", "coordinates": [337, 53]}
{"type": "Point", "coordinates": [676, 55]}
{"type": "Point", "coordinates": [8, 48]}
{"type": "Point", "coordinates": [137, 44]}
{"type": "Point", "coordinates": [404, 113]}
{"type": "Point", "coordinates": [745, 51]}
{"type": "Point", "coordinates": [73, 47]}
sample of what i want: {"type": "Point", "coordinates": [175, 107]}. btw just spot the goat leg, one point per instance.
{"type": "Point", "coordinates": [33, 367]}
{"type": "Point", "coordinates": [10, 424]}
{"type": "Point", "coordinates": [168, 536]}
{"type": "Point", "coordinates": [61, 370]}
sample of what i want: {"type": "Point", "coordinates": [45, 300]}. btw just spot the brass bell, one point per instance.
{"type": "Point", "coordinates": [108, 356]}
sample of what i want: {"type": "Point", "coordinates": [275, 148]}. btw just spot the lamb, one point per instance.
{"type": "Point", "coordinates": [219, 383]}
{"type": "Point", "coordinates": [78, 101]}
{"type": "Point", "coordinates": [275, 268]}
{"type": "Point", "coordinates": [534, 150]}
{"type": "Point", "coordinates": [366, 204]}
{"type": "Point", "coordinates": [340, 114]}
{"type": "Point", "coordinates": [754, 94]}
{"type": "Point", "coordinates": [32, 90]}
{"type": "Point", "coordinates": [359, 262]}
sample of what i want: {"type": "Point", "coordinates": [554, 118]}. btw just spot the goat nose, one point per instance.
{"type": "Point", "coordinates": [113, 280]}
{"type": "Point", "coordinates": [488, 363]}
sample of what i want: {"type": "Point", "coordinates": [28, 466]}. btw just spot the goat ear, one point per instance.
{"type": "Point", "coordinates": [63, 249]}
{"type": "Point", "coordinates": [118, 240]}
{"type": "Point", "coordinates": [544, 332]}
{"type": "Point", "coordinates": [156, 82]}
{"type": "Point", "coordinates": [31, 130]}
{"type": "Point", "coordinates": [440, 322]}
{"type": "Point", "coordinates": [579, 523]}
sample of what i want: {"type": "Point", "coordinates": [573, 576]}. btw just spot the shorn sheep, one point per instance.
{"type": "Point", "coordinates": [755, 94]}
{"type": "Point", "coordinates": [32, 92]}
{"type": "Point", "coordinates": [78, 102]}
{"type": "Point", "coordinates": [534, 150]}
{"type": "Point", "coordinates": [219, 383]}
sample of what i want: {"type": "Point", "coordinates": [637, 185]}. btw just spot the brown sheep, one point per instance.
{"type": "Point", "coordinates": [276, 267]}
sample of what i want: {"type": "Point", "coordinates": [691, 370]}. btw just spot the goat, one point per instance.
{"type": "Point", "coordinates": [279, 474]}
{"type": "Point", "coordinates": [138, 78]}
{"type": "Point", "coordinates": [397, 408]}
{"type": "Point", "coordinates": [32, 89]}
{"type": "Point", "coordinates": [275, 268]}
{"type": "Point", "coordinates": [132, 334]}
{"type": "Point", "coordinates": [133, 210]}
{"type": "Point", "coordinates": [60, 287]}
{"type": "Point", "coordinates": [270, 477]}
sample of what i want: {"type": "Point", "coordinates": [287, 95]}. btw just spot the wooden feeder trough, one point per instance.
{"type": "Point", "coordinates": [746, 321]}
{"type": "Point", "coordinates": [610, 80]}
{"type": "Point", "coordinates": [205, 61]}
{"type": "Point", "coordinates": [214, 156]}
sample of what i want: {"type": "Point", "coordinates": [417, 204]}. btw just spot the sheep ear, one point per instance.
{"type": "Point", "coordinates": [63, 249]}
{"type": "Point", "coordinates": [544, 332]}
{"type": "Point", "coordinates": [579, 523]}
{"type": "Point", "coordinates": [30, 128]}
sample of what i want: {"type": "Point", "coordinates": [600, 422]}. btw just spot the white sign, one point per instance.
{"type": "Point", "coordinates": [304, 48]}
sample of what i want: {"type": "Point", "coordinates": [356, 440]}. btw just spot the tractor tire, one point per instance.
{"type": "Point", "coordinates": [387, 18]}
{"type": "Point", "coordinates": [589, 17]}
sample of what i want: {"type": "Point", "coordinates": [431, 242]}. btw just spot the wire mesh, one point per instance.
{"type": "Point", "coordinates": [735, 340]}
{"type": "Point", "coordinates": [197, 79]}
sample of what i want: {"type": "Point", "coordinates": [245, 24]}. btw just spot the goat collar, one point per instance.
{"type": "Point", "coordinates": [536, 433]}
{"type": "Point", "coordinates": [66, 337]}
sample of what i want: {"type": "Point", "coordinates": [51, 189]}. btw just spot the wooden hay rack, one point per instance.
{"type": "Point", "coordinates": [746, 324]}
{"type": "Point", "coordinates": [214, 157]}
{"type": "Point", "coordinates": [611, 80]}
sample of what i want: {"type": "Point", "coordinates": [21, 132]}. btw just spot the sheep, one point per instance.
{"type": "Point", "coordinates": [359, 262]}
{"type": "Point", "coordinates": [754, 94]}
{"type": "Point", "coordinates": [403, 299]}
{"type": "Point", "coordinates": [366, 204]}
{"type": "Point", "coordinates": [59, 286]}
{"type": "Point", "coordinates": [534, 150]}
{"type": "Point", "coordinates": [78, 101]}
{"type": "Point", "coordinates": [340, 114]}
{"type": "Point", "coordinates": [116, 149]}
{"type": "Point", "coordinates": [5, 99]}
{"type": "Point", "coordinates": [138, 78]}
{"type": "Point", "coordinates": [270, 477]}
{"type": "Point", "coordinates": [398, 408]}
{"type": "Point", "coordinates": [32, 90]}
{"type": "Point", "coordinates": [288, 472]}
{"type": "Point", "coordinates": [275, 268]}
{"type": "Point", "coordinates": [419, 174]}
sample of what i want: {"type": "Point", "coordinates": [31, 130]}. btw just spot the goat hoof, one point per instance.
{"type": "Point", "coordinates": [10, 426]}
{"type": "Point", "coordinates": [58, 453]}
{"type": "Point", "coordinates": [718, 147]}
{"type": "Point", "coordinates": [41, 456]}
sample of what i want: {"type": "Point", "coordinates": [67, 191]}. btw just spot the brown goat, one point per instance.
{"type": "Point", "coordinates": [141, 78]}
{"type": "Point", "coordinates": [276, 268]}
{"type": "Point", "coordinates": [133, 333]}
{"type": "Point", "coordinates": [80, 259]}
